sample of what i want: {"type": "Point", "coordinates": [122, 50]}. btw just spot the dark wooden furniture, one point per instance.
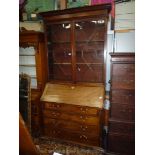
{"type": "Point", "coordinates": [121, 136]}
{"type": "Point", "coordinates": [26, 145]}
{"type": "Point", "coordinates": [33, 61]}
{"type": "Point", "coordinates": [71, 113]}
{"type": "Point", "coordinates": [75, 41]}
{"type": "Point", "coordinates": [25, 99]}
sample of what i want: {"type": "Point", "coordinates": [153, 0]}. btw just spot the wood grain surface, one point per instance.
{"type": "Point", "coordinates": [91, 96]}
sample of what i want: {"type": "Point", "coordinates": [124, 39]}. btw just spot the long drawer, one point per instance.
{"type": "Point", "coordinates": [123, 82]}
{"type": "Point", "coordinates": [121, 111]}
{"type": "Point", "coordinates": [85, 119]}
{"type": "Point", "coordinates": [71, 126]}
{"type": "Point", "coordinates": [123, 69]}
{"type": "Point", "coordinates": [72, 136]}
{"type": "Point", "coordinates": [122, 144]}
{"type": "Point", "coordinates": [123, 96]}
{"type": "Point", "coordinates": [122, 127]}
{"type": "Point", "coordinates": [70, 108]}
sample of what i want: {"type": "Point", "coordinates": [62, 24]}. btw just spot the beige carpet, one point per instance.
{"type": "Point", "coordinates": [47, 147]}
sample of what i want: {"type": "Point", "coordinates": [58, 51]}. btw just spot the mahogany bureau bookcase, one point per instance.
{"type": "Point", "coordinates": [72, 102]}
{"type": "Point", "coordinates": [121, 137]}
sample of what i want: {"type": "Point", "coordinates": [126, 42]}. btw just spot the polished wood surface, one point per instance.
{"type": "Point", "coordinates": [74, 94]}
{"type": "Point", "coordinates": [121, 136]}
{"type": "Point", "coordinates": [73, 110]}
{"type": "Point", "coordinates": [26, 145]}
{"type": "Point", "coordinates": [79, 124]}
{"type": "Point", "coordinates": [85, 11]}
{"type": "Point", "coordinates": [75, 40]}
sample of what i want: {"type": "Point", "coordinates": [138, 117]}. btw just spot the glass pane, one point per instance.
{"type": "Point", "coordinates": [59, 51]}
{"type": "Point", "coordinates": [89, 37]}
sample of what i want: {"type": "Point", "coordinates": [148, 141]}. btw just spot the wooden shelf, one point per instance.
{"type": "Point", "coordinates": [26, 54]}
{"type": "Point", "coordinates": [33, 76]}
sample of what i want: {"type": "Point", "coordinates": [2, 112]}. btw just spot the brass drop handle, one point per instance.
{"type": "Point", "coordinates": [55, 114]}
{"type": "Point", "coordinates": [84, 128]}
{"type": "Point", "coordinates": [83, 109]}
{"type": "Point", "coordinates": [51, 105]}
{"type": "Point", "coordinates": [83, 118]}
{"type": "Point", "coordinates": [83, 136]}
{"type": "Point", "coordinates": [58, 106]}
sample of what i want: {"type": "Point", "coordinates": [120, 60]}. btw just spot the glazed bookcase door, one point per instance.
{"type": "Point", "coordinates": [27, 64]}
{"type": "Point", "coordinates": [59, 51]}
{"type": "Point", "coordinates": [89, 47]}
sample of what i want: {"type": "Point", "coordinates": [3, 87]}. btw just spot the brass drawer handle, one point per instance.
{"type": "Point", "coordinates": [51, 105]}
{"type": "Point", "coordinates": [83, 118]}
{"type": "Point", "coordinates": [55, 114]}
{"type": "Point", "coordinates": [54, 105]}
{"type": "Point", "coordinates": [58, 106]}
{"type": "Point", "coordinates": [83, 127]}
{"type": "Point", "coordinates": [83, 137]}
{"type": "Point", "coordinates": [83, 109]}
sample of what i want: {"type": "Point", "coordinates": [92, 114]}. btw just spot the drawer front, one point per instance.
{"type": "Point", "coordinates": [123, 96]}
{"type": "Point", "coordinates": [122, 111]}
{"type": "Point", "coordinates": [123, 70]}
{"type": "Point", "coordinates": [123, 144]}
{"type": "Point", "coordinates": [71, 108]}
{"type": "Point", "coordinates": [122, 127]}
{"type": "Point", "coordinates": [123, 76]}
{"type": "Point", "coordinates": [72, 136]}
{"type": "Point", "coordinates": [89, 120]}
{"type": "Point", "coordinates": [71, 126]}
{"type": "Point", "coordinates": [125, 82]}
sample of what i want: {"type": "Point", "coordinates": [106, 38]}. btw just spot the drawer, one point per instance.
{"type": "Point", "coordinates": [122, 111]}
{"type": "Point", "coordinates": [72, 126]}
{"type": "Point", "coordinates": [72, 136]}
{"type": "Point", "coordinates": [123, 144]}
{"type": "Point", "coordinates": [71, 108]}
{"type": "Point", "coordinates": [123, 69]}
{"type": "Point", "coordinates": [124, 82]}
{"type": "Point", "coordinates": [123, 96]}
{"type": "Point", "coordinates": [122, 127]}
{"type": "Point", "coordinates": [89, 120]}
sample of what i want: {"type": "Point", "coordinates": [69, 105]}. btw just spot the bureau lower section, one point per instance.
{"type": "Point", "coordinates": [74, 123]}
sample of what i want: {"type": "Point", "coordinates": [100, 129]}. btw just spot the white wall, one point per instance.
{"type": "Point", "coordinates": [125, 16]}
{"type": "Point", "coordinates": [125, 42]}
